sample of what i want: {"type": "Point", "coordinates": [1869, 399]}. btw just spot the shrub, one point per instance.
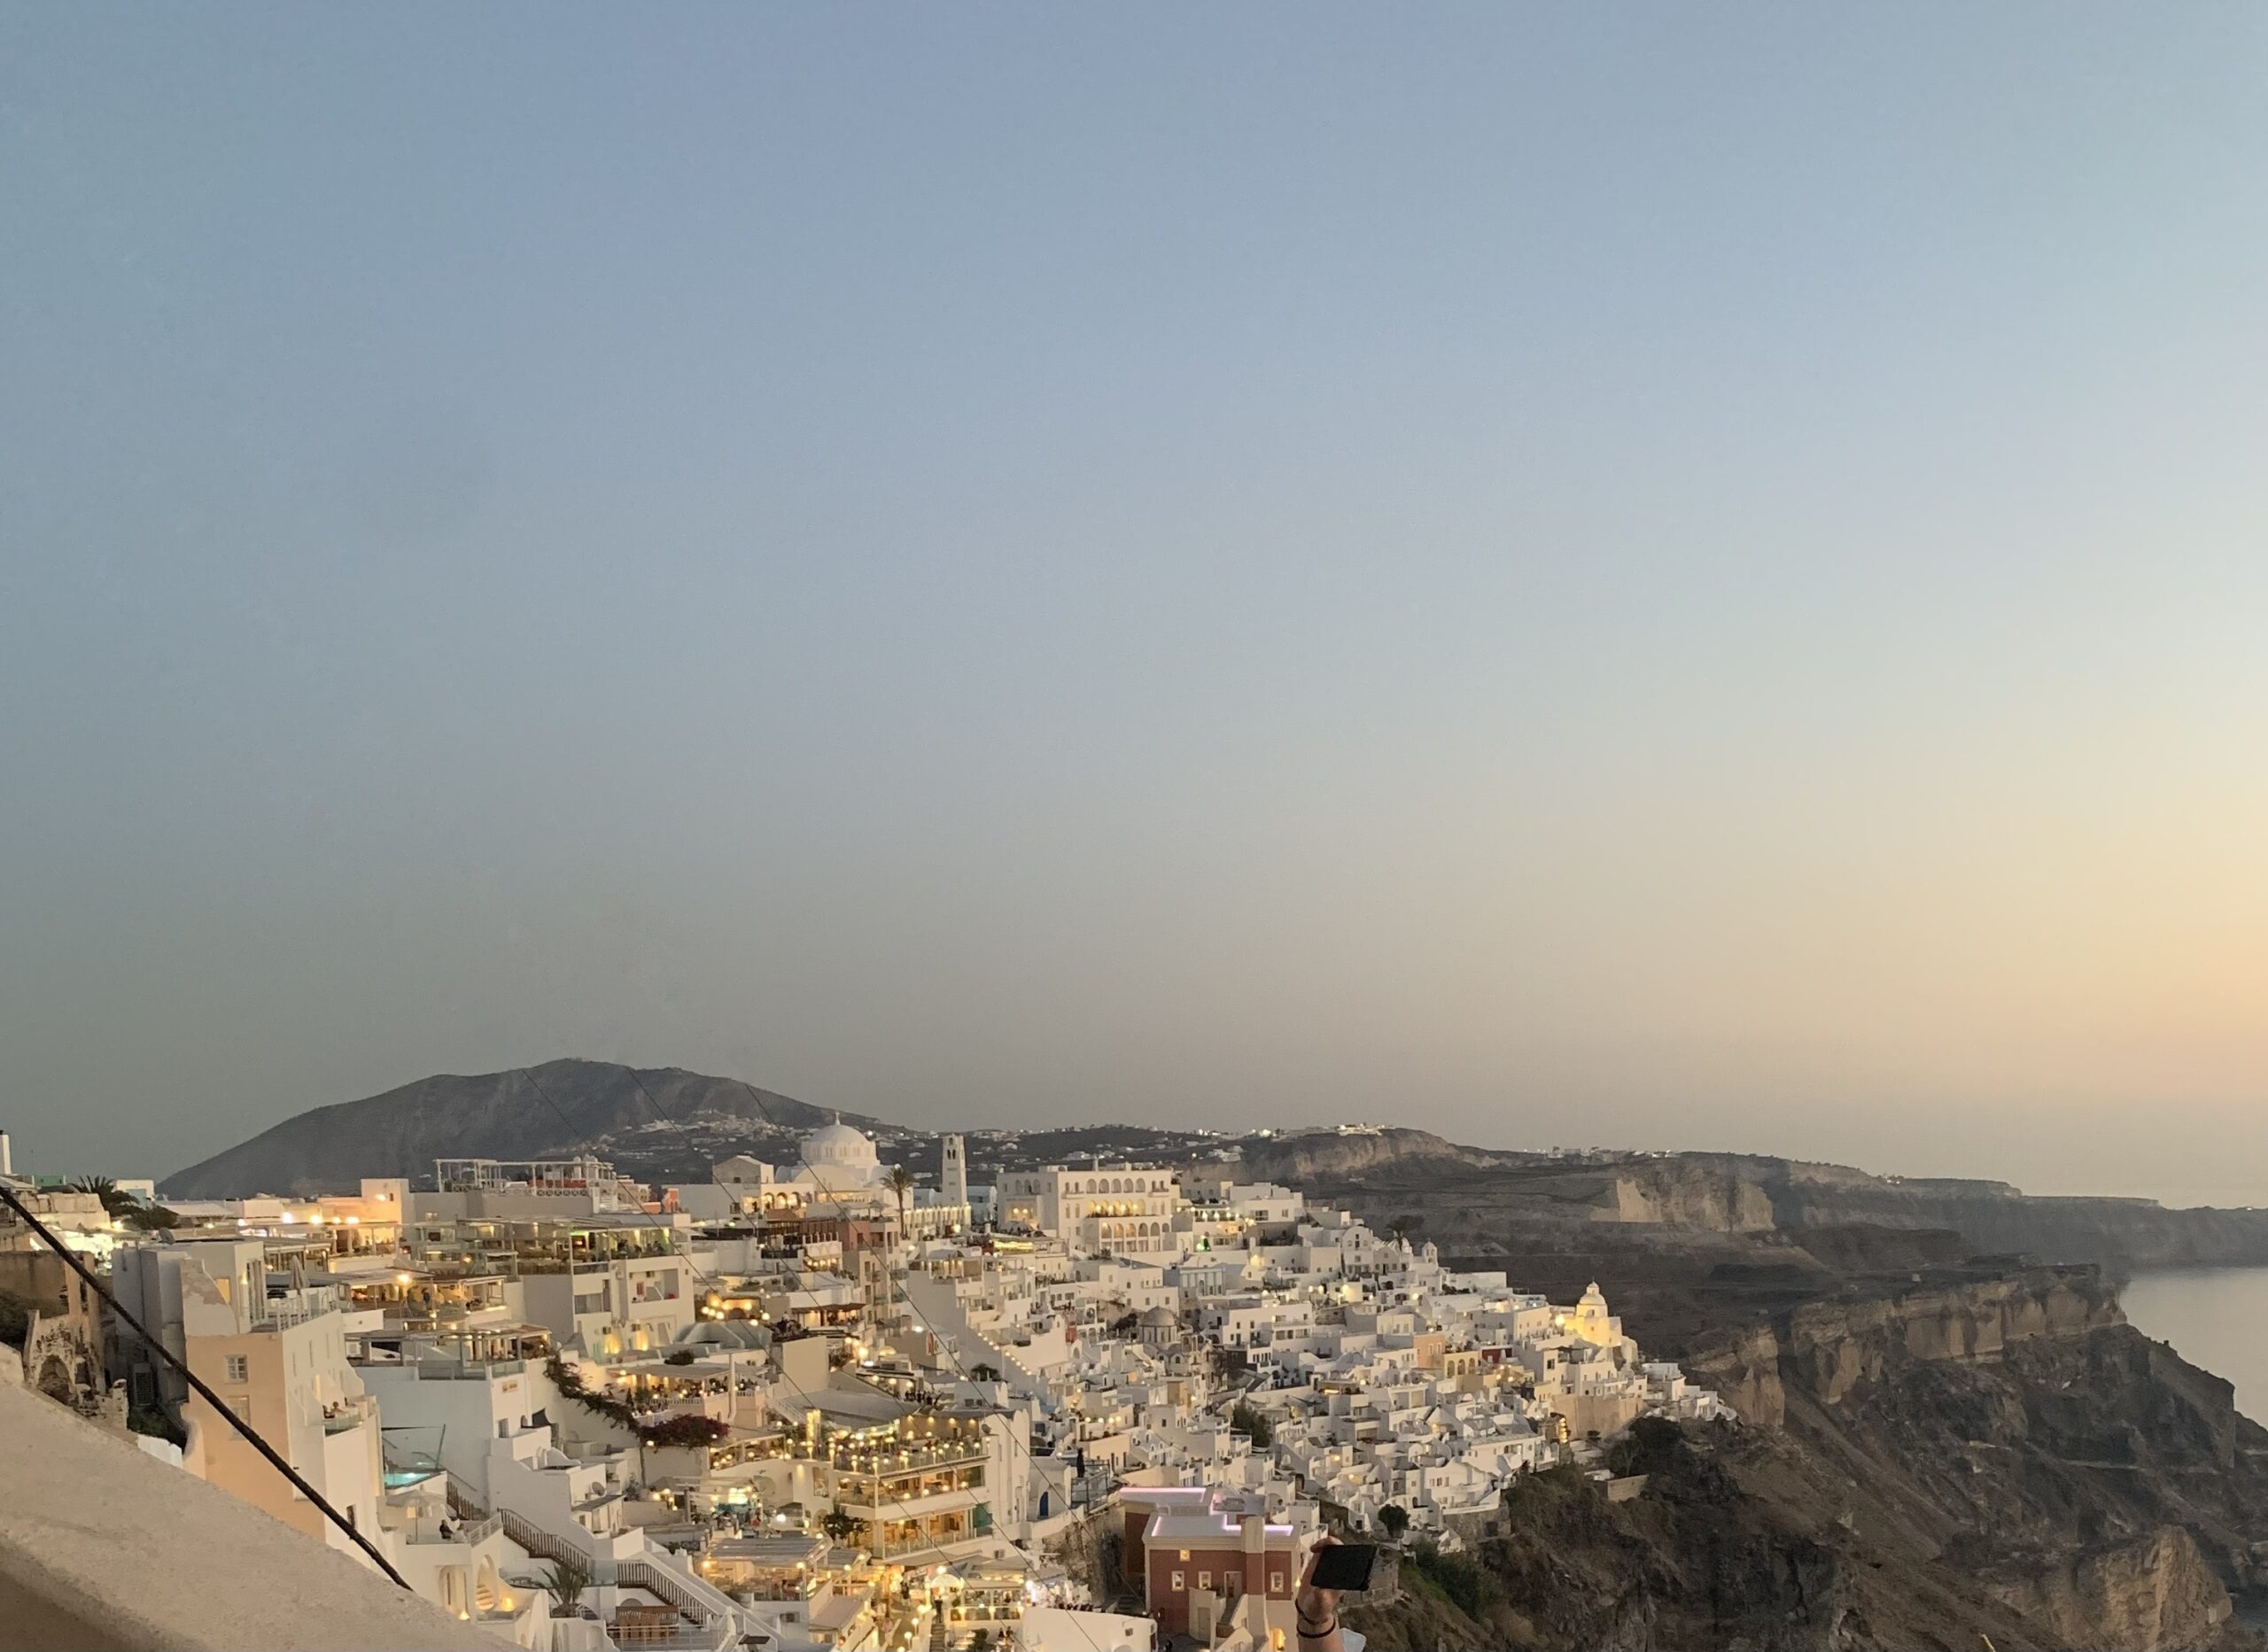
{"type": "Point", "coordinates": [1460, 1581]}
{"type": "Point", "coordinates": [1646, 1447]}
{"type": "Point", "coordinates": [1244, 1420]}
{"type": "Point", "coordinates": [569, 1383]}
{"type": "Point", "coordinates": [683, 1431]}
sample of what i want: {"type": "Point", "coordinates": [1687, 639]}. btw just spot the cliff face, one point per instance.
{"type": "Point", "coordinates": [1831, 1347]}
{"type": "Point", "coordinates": [1708, 1196]}
{"type": "Point", "coordinates": [1478, 1203]}
{"type": "Point", "coordinates": [2120, 1234]}
{"type": "Point", "coordinates": [2157, 1591]}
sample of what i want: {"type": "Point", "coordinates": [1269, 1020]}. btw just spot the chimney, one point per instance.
{"type": "Point", "coordinates": [7, 1160]}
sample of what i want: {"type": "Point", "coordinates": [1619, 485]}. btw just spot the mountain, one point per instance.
{"type": "Point", "coordinates": [528, 1112]}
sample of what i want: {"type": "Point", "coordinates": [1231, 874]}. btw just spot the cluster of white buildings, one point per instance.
{"type": "Point", "coordinates": [822, 1406]}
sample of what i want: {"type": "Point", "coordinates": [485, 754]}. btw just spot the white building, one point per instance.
{"type": "Point", "coordinates": [1111, 1210]}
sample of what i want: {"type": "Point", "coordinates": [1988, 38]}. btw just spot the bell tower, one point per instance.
{"type": "Point", "coordinates": [953, 1180]}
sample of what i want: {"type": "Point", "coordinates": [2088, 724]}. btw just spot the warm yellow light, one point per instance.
{"type": "Point", "coordinates": [401, 1279]}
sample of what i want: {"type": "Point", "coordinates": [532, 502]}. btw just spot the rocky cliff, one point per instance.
{"type": "Point", "coordinates": [1326, 1157]}
{"type": "Point", "coordinates": [1471, 1201]}
{"type": "Point", "coordinates": [2120, 1234]}
{"type": "Point", "coordinates": [1830, 1347]}
{"type": "Point", "coordinates": [1713, 1197]}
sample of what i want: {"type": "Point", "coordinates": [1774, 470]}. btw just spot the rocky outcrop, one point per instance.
{"type": "Point", "coordinates": [2118, 1233]}
{"type": "Point", "coordinates": [1830, 1347]}
{"type": "Point", "coordinates": [1328, 1156]}
{"type": "Point", "coordinates": [2157, 1591]}
{"type": "Point", "coordinates": [1678, 1194]}
{"type": "Point", "coordinates": [1742, 1367]}
{"type": "Point", "coordinates": [1839, 1344]}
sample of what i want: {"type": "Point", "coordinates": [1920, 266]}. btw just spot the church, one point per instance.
{"type": "Point", "coordinates": [839, 1173]}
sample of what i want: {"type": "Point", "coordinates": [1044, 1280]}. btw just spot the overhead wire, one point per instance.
{"type": "Point", "coordinates": [203, 1391]}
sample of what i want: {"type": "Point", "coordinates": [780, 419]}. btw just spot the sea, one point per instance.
{"type": "Point", "coordinates": [2216, 1317]}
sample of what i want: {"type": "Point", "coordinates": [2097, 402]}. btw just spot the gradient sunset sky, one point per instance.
{"type": "Point", "coordinates": [1684, 577]}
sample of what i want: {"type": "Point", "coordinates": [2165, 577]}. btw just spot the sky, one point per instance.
{"type": "Point", "coordinates": [1664, 576]}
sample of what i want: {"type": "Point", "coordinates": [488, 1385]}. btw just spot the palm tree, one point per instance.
{"type": "Point", "coordinates": [900, 1181]}
{"type": "Point", "coordinates": [837, 1525]}
{"type": "Point", "coordinates": [115, 1203]}
{"type": "Point", "coordinates": [564, 1582]}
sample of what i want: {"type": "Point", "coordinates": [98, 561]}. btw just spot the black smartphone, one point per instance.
{"type": "Point", "coordinates": [1345, 1567]}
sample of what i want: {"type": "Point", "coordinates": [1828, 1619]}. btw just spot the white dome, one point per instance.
{"type": "Point", "coordinates": [838, 1143]}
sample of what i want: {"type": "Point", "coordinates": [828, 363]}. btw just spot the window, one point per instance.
{"type": "Point", "coordinates": [242, 1405]}
{"type": "Point", "coordinates": [239, 1368]}
{"type": "Point", "coordinates": [1204, 1579]}
{"type": "Point", "coordinates": [1275, 1583]}
{"type": "Point", "coordinates": [1176, 1582]}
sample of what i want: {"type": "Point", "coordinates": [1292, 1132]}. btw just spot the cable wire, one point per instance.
{"type": "Point", "coordinates": [203, 1392]}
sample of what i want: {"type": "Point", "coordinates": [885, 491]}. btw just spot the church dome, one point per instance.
{"type": "Point", "coordinates": [838, 1144]}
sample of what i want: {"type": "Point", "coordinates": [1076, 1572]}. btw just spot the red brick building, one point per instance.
{"type": "Point", "coordinates": [1200, 1556]}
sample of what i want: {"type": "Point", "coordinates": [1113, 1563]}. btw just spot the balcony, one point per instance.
{"type": "Point", "coordinates": [911, 1508]}
{"type": "Point", "coordinates": [351, 1412]}
{"type": "Point", "coordinates": [467, 1370]}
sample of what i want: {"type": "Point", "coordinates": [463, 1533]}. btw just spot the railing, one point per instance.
{"type": "Point", "coordinates": [659, 1580]}
{"type": "Point", "coordinates": [481, 1530]}
{"type": "Point", "coordinates": [465, 1506]}
{"type": "Point", "coordinates": [537, 1541]}
{"type": "Point", "coordinates": [467, 1370]}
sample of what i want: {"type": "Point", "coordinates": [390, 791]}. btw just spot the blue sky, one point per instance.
{"type": "Point", "coordinates": [1678, 578]}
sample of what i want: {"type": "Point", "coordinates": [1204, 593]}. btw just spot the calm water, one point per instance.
{"type": "Point", "coordinates": [2216, 1317]}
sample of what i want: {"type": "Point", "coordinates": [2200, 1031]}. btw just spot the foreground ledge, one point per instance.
{"type": "Point", "coordinates": [104, 1549]}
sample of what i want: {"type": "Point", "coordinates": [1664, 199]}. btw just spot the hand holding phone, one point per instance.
{"type": "Point", "coordinates": [1344, 1568]}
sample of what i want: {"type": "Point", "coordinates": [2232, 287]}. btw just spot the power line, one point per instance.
{"type": "Point", "coordinates": [197, 1383]}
